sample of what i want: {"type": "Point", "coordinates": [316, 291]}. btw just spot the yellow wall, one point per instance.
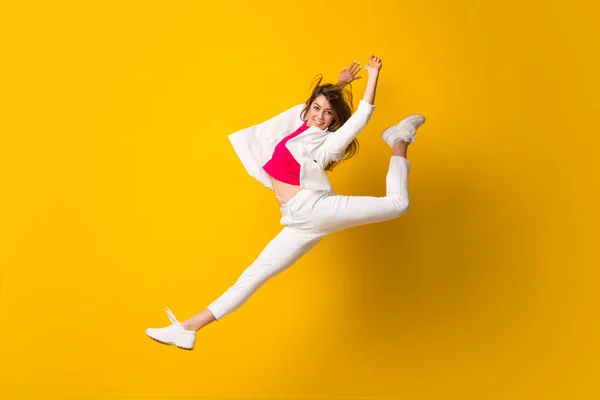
{"type": "Point", "coordinates": [121, 195]}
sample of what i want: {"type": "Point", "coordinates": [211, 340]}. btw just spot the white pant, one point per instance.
{"type": "Point", "coordinates": [308, 217]}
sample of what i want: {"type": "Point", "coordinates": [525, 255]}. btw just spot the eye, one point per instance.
{"type": "Point", "coordinates": [328, 112]}
{"type": "Point", "coordinates": [316, 107]}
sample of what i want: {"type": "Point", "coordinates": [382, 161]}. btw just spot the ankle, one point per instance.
{"type": "Point", "coordinates": [400, 148]}
{"type": "Point", "coordinates": [187, 325]}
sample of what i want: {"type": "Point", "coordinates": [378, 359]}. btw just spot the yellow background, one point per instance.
{"type": "Point", "coordinates": [121, 195]}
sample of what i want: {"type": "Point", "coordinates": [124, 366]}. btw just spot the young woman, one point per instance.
{"type": "Point", "coordinates": [289, 154]}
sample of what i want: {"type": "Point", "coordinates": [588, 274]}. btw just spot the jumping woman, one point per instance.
{"type": "Point", "coordinates": [290, 155]}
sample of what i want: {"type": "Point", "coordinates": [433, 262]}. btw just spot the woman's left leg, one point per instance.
{"type": "Point", "coordinates": [334, 213]}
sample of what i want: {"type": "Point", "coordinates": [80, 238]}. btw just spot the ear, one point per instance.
{"type": "Point", "coordinates": [332, 125]}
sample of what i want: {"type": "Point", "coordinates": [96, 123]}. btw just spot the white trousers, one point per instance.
{"type": "Point", "coordinates": [307, 218]}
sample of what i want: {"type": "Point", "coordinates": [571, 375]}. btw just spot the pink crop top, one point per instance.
{"type": "Point", "coordinates": [282, 165]}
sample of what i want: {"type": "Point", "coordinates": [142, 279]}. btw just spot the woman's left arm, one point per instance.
{"type": "Point", "coordinates": [338, 141]}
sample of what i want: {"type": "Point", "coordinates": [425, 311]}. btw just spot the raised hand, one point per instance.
{"type": "Point", "coordinates": [374, 65]}
{"type": "Point", "coordinates": [348, 74]}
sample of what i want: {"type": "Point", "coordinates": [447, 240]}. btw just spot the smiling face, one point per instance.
{"type": "Point", "coordinates": [320, 113]}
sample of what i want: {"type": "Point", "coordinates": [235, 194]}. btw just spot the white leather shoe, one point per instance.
{"type": "Point", "coordinates": [405, 130]}
{"type": "Point", "coordinates": [174, 334]}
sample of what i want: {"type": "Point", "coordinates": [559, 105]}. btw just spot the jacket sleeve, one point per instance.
{"type": "Point", "coordinates": [254, 145]}
{"type": "Point", "coordinates": [338, 141]}
{"type": "Point", "coordinates": [269, 130]}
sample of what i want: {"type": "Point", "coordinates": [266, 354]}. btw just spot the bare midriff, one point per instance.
{"type": "Point", "coordinates": [284, 190]}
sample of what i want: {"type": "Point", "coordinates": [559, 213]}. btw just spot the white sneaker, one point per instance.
{"type": "Point", "coordinates": [173, 334]}
{"type": "Point", "coordinates": [405, 130]}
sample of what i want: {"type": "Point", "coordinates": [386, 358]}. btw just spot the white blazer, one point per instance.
{"type": "Point", "coordinates": [313, 149]}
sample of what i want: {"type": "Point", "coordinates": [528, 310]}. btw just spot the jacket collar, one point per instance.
{"type": "Point", "coordinates": [311, 138]}
{"type": "Point", "coordinates": [314, 129]}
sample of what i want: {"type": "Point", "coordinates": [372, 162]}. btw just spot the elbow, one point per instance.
{"type": "Point", "coordinates": [337, 156]}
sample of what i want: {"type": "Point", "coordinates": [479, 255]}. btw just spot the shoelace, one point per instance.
{"type": "Point", "coordinates": [171, 316]}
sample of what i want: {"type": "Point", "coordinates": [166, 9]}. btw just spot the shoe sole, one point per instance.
{"type": "Point", "coordinates": [170, 344]}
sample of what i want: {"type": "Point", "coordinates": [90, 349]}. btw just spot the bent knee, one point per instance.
{"type": "Point", "coordinates": [400, 206]}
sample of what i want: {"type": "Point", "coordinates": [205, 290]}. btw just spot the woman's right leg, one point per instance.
{"type": "Point", "coordinates": [285, 249]}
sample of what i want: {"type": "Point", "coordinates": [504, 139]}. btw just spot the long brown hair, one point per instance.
{"type": "Point", "coordinates": [340, 100]}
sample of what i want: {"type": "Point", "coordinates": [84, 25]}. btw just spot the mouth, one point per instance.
{"type": "Point", "coordinates": [317, 122]}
